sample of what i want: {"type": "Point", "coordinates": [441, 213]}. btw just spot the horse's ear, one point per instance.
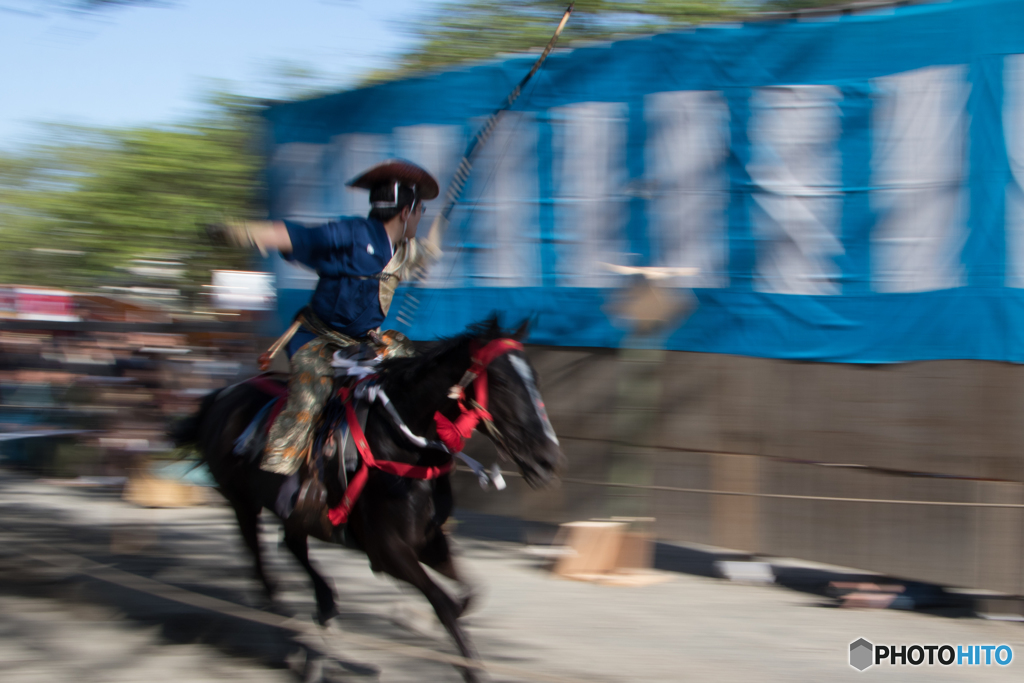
{"type": "Point", "coordinates": [523, 331]}
{"type": "Point", "coordinates": [492, 325]}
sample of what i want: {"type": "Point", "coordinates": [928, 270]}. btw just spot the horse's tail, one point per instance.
{"type": "Point", "coordinates": [185, 432]}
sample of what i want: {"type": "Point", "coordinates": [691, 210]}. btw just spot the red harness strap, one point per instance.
{"type": "Point", "coordinates": [271, 388]}
{"type": "Point", "coordinates": [452, 435]}
{"type": "Point", "coordinates": [268, 386]}
{"type": "Point", "coordinates": [339, 514]}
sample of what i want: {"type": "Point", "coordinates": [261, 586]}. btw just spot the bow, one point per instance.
{"type": "Point", "coordinates": [410, 303]}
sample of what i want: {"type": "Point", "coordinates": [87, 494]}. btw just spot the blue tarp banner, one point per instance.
{"type": "Point", "coordinates": [846, 189]}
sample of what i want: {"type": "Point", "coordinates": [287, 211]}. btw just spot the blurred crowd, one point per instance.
{"type": "Point", "coordinates": [97, 404]}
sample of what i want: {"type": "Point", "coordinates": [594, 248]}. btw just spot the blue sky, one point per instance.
{"type": "Point", "coordinates": [151, 65]}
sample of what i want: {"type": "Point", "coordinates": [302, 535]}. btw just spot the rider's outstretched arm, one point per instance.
{"type": "Point", "coordinates": [264, 235]}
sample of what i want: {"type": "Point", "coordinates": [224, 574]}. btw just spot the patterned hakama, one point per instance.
{"type": "Point", "coordinates": [309, 387]}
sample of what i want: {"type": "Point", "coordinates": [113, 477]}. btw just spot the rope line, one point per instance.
{"type": "Point", "coordinates": [785, 459]}
{"type": "Point", "coordinates": [755, 494]}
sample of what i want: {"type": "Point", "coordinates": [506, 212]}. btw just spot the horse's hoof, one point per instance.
{"type": "Point", "coordinates": [269, 586]}
{"type": "Point", "coordinates": [325, 615]}
{"type": "Point", "coordinates": [464, 604]}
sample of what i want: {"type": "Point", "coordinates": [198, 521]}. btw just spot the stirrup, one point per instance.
{"type": "Point", "coordinates": [310, 512]}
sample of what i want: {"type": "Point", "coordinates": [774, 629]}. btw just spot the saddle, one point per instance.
{"type": "Point", "coordinates": [303, 499]}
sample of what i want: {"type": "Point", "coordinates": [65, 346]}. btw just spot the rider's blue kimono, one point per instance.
{"type": "Point", "coordinates": [346, 253]}
{"type": "Point", "coordinates": [350, 255]}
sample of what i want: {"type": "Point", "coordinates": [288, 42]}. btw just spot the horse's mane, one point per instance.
{"type": "Point", "coordinates": [429, 354]}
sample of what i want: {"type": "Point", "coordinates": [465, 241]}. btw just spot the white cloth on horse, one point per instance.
{"type": "Point", "coordinates": [353, 367]}
{"type": "Point", "coordinates": [375, 393]}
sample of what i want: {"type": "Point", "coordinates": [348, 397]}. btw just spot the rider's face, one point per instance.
{"type": "Point", "coordinates": [413, 220]}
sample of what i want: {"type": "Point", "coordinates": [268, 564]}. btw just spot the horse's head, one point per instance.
{"type": "Point", "coordinates": [520, 429]}
{"type": "Point", "coordinates": [495, 391]}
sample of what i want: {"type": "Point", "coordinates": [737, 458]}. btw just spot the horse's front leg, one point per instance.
{"type": "Point", "coordinates": [437, 555]}
{"type": "Point", "coordinates": [248, 516]}
{"type": "Point", "coordinates": [326, 608]}
{"type": "Point", "coordinates": [400, 561]}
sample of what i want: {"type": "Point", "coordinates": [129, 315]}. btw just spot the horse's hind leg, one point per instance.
{"type": "Point", "coordinates": [403, 563]}
{"type": "Point", "coordinates": [248, 523]}
{"type": "Point", "coordinates": [437, 555]}
{"type": "Point", "coordinates": [325, 606]}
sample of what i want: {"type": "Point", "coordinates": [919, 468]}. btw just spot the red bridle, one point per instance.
{"type": "Point", "coordinates": [453, 436]}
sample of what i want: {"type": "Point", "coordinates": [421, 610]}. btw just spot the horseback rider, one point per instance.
{"type": "Point", "coordinates": [360, 262]}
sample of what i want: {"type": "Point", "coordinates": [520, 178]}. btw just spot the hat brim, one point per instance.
{"type": "Point", "coordinates": [399, 170]}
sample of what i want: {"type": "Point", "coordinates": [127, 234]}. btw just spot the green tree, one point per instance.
{"type": "Point", "coordinates": [794, 5]}
{"type": "Point", "coordinates": [78, 209]}
{"type": "Point", "coordinates": [456, 32]}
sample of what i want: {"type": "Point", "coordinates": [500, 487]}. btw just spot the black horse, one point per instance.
{"type": "Point", "coordinates": [396, 520]}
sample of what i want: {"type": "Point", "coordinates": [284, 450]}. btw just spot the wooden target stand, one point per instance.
{"type": "Point", "coordinates": [618, 551]}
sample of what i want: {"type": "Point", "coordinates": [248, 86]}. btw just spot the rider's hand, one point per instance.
{"type": "Point", "coordinates": [430, 248]}
{"type": "Point", "coordinates": [217, 233]}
